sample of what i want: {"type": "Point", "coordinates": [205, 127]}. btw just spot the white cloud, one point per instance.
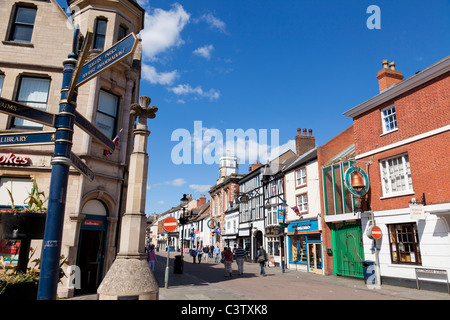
{"type": "Point", "coordinates": [186, 89]}
{"type": "Point", "coordinates": [176, 182]}
{"type": "Point", "coordinates": [149, 73]}
{"type": "Point", "coordinates": [200, 187]}
{"type": "Point", "coordinates": [163, 30]}
{"type": "Point", "coordinates": [161, 202]}
{"type": "Point", "coordinates": [205, 51]}
{"type": "Point", "coordinates": [213, 22]}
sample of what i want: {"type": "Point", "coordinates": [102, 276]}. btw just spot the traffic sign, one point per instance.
{"type": "Point", "coordinates": [27, 138]}
{"type": "Point", "coordinates": [81, 167]}
{"type": "Point", "coordinates": [107, 58]}
{"type": "Point", "coordinates": [374, 233]}
{"type": "Point", "coordinates": [170, 224]}
{"type": "Point", "coordinates": [90, 129]}
{"type": "Point", "coordinates": [23, 111]}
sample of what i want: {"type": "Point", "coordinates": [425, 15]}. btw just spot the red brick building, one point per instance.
{"type": "Point", "coordinates": [402, 135]}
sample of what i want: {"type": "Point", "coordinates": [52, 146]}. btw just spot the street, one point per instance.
{"type": "Point", "coordinates": [207, 281]}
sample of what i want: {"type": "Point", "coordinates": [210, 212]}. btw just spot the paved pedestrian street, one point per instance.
{"type": "Point", "coordinates": [207, 281]}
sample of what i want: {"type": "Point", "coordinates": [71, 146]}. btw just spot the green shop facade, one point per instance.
{"type": "Point", "coordinates": [342, 218]}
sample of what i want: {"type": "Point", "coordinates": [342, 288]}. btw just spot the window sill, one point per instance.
{"type": "Point", "coordinates": [18, 44]}
{"type": "Point", "coordinates": [390, 131]}
{"type": "Point", "coordinates": [399, 194]}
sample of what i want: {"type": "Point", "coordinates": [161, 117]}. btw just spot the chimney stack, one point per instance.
{"type": "Point", "coordinates": [388, 76]}
{"type": "Point", "coordinates": [254, 166]}
{"type": "Point", "coordinates": [303, 142]}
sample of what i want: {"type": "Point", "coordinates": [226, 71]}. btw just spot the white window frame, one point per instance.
{"type": "Point", "coordinates": [300, 173]}
{"type": "Point", "coordinates": [302, 205]}
{"type": "Point", "coordinates": [386, 181]}
{"type": "Point", "coordinates": [384, 117]}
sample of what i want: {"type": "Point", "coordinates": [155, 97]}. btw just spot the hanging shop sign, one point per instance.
{"type": "Point", "coordinates": [348, 175]}
{"type": "Point", "coordinates": [212, 224]}
{"type": "Point", "coordinates": [273, 231]}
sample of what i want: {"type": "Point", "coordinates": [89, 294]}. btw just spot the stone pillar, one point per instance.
{"type": "Point", "coordinates": [130, 276]}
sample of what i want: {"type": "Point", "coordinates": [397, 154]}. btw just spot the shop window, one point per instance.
{"type": "Point", "coordinates": [338, 199]}
{"type": "Point", "coordinates": [396, 175]}
{"type": "Point", "coordinates": [100, 34]}
{"type": "Point", "coordinates": [404, 244]}
{"type": "Point", "coordinates": [106, 120]}
{"type": "Point", "coordinates": [33, 92]}
{"type": "Point", "coordinates": [22, 25]}
{"type": "Point", "coordinates": [297, 248]}
{"type": "Point", "coordinates": [389, 119]}
{"type": "Point", "coordinates": [19, 188]}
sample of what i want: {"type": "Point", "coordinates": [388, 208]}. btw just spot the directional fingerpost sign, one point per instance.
{"type": "Point", "coordinates": [27, 138]}
{"type": "Point", "coordinates": [170, 224]}
{"type": "Point", "coordinates": [81, 167]}
{"type": "Point", "coordinates": [90, 129]}
{"type": "Point", "coordinates": [107, 58]}
{"type": "Point", "coordinates": [23, 111]}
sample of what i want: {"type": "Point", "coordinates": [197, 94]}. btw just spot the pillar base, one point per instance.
{"type": "Point", "coordinates": [129, 279]}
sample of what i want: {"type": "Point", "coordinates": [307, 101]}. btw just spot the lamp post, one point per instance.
{"type": "Point", "coordinates": [183, 219]}
{"type": "Point", "coordinates": [283, 225]}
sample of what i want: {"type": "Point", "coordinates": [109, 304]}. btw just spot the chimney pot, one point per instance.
{"type": "Point", "coordinates": [304, 131]}
{"type": "Point", "coordinates": [385, 64]}
{"type": "Point", "coordinates": [299, 131]}
{"type": "Point", "coordinates": [392, 65]}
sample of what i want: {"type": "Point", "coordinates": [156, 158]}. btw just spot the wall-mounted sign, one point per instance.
{"type": "Point", "coordinates": [12, 159]}
{"type": "Point", "coordinates": [348, 180]}
{"type": "Point", "coordinates": [274, 231]}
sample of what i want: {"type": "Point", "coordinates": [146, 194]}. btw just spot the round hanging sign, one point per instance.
{"type": "Point", "coordinates": [348, 180]}
{"type": "Point", "coordinates": [211, 223]}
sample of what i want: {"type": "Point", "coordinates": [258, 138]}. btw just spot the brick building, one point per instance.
{"type": "Point", "coordinates": [402, 135]}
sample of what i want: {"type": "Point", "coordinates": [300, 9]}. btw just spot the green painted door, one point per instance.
{"type": "Point", "coordinates": [348, 252]}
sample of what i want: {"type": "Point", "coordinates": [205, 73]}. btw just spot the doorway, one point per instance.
{"type": "Point", "coordinates": [90, 259]}
{"type": "Point", "coordinates": [92, 246]}
{"type": "Point", "coordinates": [314, 257]}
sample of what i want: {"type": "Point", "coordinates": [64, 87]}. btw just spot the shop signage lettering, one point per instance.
{"type": "Point", "coordinates": [273, 231]}
{"type": "Point", "coordinates": [12, 159]}
{"type": "Point", "coordinates": [93, 223]}
{"type": "Point", "coordinates": [302, 227]}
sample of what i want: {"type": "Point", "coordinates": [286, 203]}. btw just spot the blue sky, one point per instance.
{"type": "Point", "coordinates": [266, 64]}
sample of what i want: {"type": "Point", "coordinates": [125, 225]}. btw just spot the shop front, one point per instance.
{"type": "Point", "coordinates": [273, 235]}
{"type": "Point", "coordinates": [305, 246]}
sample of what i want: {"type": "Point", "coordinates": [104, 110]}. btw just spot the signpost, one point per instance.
{"type": "Point", "coordinates": [74, 75]}
{"type": "Point", "coordinates": [63, 157]}
{"type": "Point", "coordinates": [169, 224]}
{"type": "Point", "coordinates": [27, 138]}
{"type": "Point", "coordinates": [23, 111]}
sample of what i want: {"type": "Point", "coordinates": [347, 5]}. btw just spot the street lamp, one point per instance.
{"type": "Point", "coordinates": [283, 225]}
{"type": "Point", "coordinates": [184, 218]}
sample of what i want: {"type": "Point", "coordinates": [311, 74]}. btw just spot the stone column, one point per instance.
{"type": "Point", "coordinates": [130, 276]}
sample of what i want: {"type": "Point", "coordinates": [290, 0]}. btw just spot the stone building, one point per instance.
{"type": "Point", "coordinates": [37, 37]}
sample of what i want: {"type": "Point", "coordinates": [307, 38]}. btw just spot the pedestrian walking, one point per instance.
{"type": "Point", "coordinates": [261, 257]}
{"type": "Point", "coordinates": [217, 253]}
{"type": "Point", "coordinates": [151, 257]}
{"type": "Point", "coordinates": [194, 253]}
{"type": "Point", "coordinates": [206, 252]}
{"type": "Point", "coordinates": [211, 251]}
{"type": "Point", "coordinates": [227, 256]}
{"type": "Point", "coordinates": [241, 255]}
{"type": "Point", "coordinates": [199, 254]}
